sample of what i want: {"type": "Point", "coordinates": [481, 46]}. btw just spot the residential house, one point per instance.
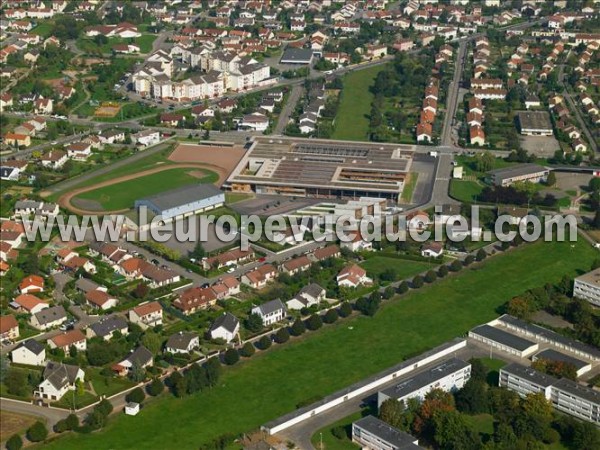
{"type": "Point", "coordinates": [432, 250]}
{"type": "Point", "coordinates": [100, 298]}
{"type": "Point", "coordinates": [271, 312]}
{"type": "Point", "coordinates": [58, 380]}
{"type": "Point", "coordinates": [195, 299]}
{"type": "Point", "coordinates": [308, 296]}
{"type": "Point", "coordinates": [31, 284]}
{"type": "Point", "coordinates": [16, 139]}
{"type": "Point", "coordinates": [140, 357]}
{"type": "Point", "coordinates": [54, 159]}
{"type": "Point", "coordinates": [353, 276]}
{"type": "Point", "coordinates": [43, 106]}
{"type": "Point", "coordinates": [29, 303]}
{"type": "Point", "coordinates": [259, 277]}
{"type": "Point", "coordinates": [48, 318]}
{"type": "Point", "coordinates": [225, 327]}
{"type": "Point", "coordinates": [30, 353]}
{"type": "Point", "coordinates": [107, 327]}
{"type": "Point", "coordinates": [147, 315]}
{"type": "Point", "coordinates": [321, 254]}
{"type": "Point", "coordinates": [296, 265]}
{"type": "Point", "coordinates": [182, 342]}
{"type": "Point", "coordinates": [9, 328]}
{"type": "Point", "coordinates": [72, 338]}
{"type": "Point", "coordinates": [146, 138]}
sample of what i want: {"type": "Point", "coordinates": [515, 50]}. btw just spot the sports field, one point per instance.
{"type": "Point", "coordinates": [352, 121]}
{"type": "Point", "coordinates": [273, 383]}
{"type": "Point", "coordinates": [123, 195]}
{"type": "Point", "coordinates": [402, 268]}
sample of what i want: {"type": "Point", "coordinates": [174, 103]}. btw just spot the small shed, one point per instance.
{"type": "Point", "coordinates": [457, 172]}
{"type": "Point", "coordinates": [132, 408]}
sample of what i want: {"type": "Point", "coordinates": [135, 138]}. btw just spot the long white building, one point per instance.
{"type": "Point", "coordinates": [449, 375]}
{"type": "Point", "coordinates": [587, 287]}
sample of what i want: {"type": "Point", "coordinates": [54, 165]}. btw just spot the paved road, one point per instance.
{"type": "Point", "coordinates": [51, 415]}
{"type": "Point", "coordinates": [284, 117]}
{"type": "Point", "coordinates": [452, 100]}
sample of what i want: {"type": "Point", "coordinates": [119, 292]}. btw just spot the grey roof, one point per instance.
{"type": "Point", "coordinates": [27, 204]}
{"type": "Point", "coordinates": [395, 438]}
{"type": "Point", "coordinates": [5, 172]}
{"type": "Point", "coordinates": [425, 378]}
{"type": "Point", "coordinates": [183, 196]}
{"type": "Point", "coordinates": [529, 374]}
{"type": "Point", "coordinates": [108, 325]}
{"type": "Point", "coordinates": [578, 390]}
{"type": "Point", "coordinates": [297, 55]}
{"type": "Point", "coordinates": [313, 289]}
{"type": "Point", "coordinates": [535, 120]}
{"type": "Point", "coordinates": [51, 314]}
{"type": "Point", "coordinates": [181, 340]}
{"type": "Point", "coordinates": [550, 335]}
{"type": "Point", "coordinates": [518, 170]}
{"type": "Point", "coordinates": [85, 285]}
{"type": "Point", "coordinates": [60, 374]}
{"type": "Point", "coordinates": [140, 355]}
{"type": "Point", "coordinates": [271, 306]}
{"type": "Point", "coordinates": [227, 321]}
{"type": "Point", "coordinates": [32, 345]}
{"type": "Point", "coordinates": [503, 337]}
{"type": "Point", "coordinates": [553, 355]}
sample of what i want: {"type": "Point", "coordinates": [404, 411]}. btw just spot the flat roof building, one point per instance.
{"type": "Point", "coordinates": [375, 434]}
{"type": "Point", "coordinates": [449, 375]}
{"type": "Point", "coordinates": [535, 123]}
{"type": "Point", "coordinates": [549, 354]}
{"type": "Point", "coordinates": [294, 55]}
{"type": "Point", "coordinates": [322, 168]}
{"type": "Point", "coordinates": [525, 380]}
{"type": "Point", "coordinates": [541, 334]}
{"type": "Point", "coordinates": [587, 287]}
{"type": "Point", "coordinates": [184, 201]}
{"type": "Point", "coordinates": [523, 172]}
{"type": "Point", "coordinates": [503, 340]}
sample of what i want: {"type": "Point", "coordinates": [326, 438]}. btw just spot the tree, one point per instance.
{"type": "Point", "coordinates": [314, 322]}
{"type": "Point", "coordinates": [402, 288]}
{"type": "Point", "coordinates": [282, 336]}
{"type": "Point", "coordinates": [253, 323]}
{"type": "Point", "coordinates": [136, 396]}
{"type": "Point", "coordinates": [152, 342]}
{"type": "Point", "coordinates": [198, 253]}
{"type": "Point", "coordinates": [388, 292]}
{"type": "Point", "coordinates": [472, 398]}
{"type": "Point", "coordinates": [37, 432]}
{"type": "Point", "coordinates": [455, 266]}
{"type": "Point", "coordinates": [596, 220]}
{"type": "Point", "coordinates": [298, 328]}
{"type": "Point", "coordinates": [95, 420]}
{"type": "Point", "coordinates": [156, 387]}
{"type": "Point", "coordinates": [452, 431]}
{"type": "Point", "coordinates": [368, 306]}
{"type": "Point", "coordinates": [105, 407]}
{"type": "Point", "coordinates": [247, 350]}
{"type": "Point", "coordinates": [430, 276]}
{"type": "Point", "coordinates": [520, 307]}
{"type": "Point", "coordinates": [345, 309]}
{"type": "Point", "coordinates": [4, 366]}
{"type": "Point", "coordinates": [417, 282]}
{"type": "Point", "coordinates": [585, 436]}
{"type": "Point", "coordinates": [14, 442]}
{"type": "Point", "coordinates": [264, 342]}
{"type": "Point", "coordinates": [72, 421]}
{"type": "Point", "coordinates": [137, 372]}
{"type": "Point", "coordinates": [330, 316]}
{"type": "Point", "coordinates": [231, 356]}
{"type": "Point", "coordinates": [551, 180]}
{"type": "Point", "coordinates": [391, 412]}
{"type": "Point", "coordinates": [469, 260]}
{"type": "Point", "coordinates": [594, 184]}
{"type": "Point", "coordinates": [478, 370]}
{"type": "Point", "coordinates": [178, 384]}
{"type": "Point", "coordinates": [16, 382]}
{"type": "Point", "coordinates": [140, 291]}
{"type": "Point", "coordinates": [443, 271]}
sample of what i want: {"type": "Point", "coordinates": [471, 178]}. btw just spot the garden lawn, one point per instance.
{"type": "Point", "coordinates": [273, 383]}
{"type": "Point", "coordinates": [402, 267]}
{"type": "Point", "coordinates": [331, 442]}
{"type": "Point", "coordinates": [123, 195]}
{"type": "Point", "coordinates": [352, 122]}
{"type": "Point", "coordinates": [465, 191]}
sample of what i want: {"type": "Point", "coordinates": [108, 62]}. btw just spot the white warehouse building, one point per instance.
{"type": "Point", "coordinates": [183, 202]}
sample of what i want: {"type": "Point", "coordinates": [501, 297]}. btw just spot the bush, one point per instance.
{"type": "Point", "coordinates": [60, 426]}
{"type": "Point", "coordinates": [339, 432]}
{"type": "Point", "coordinates": [456, 265]}
{"type": "Point", "coordinates": [136, 396]}
{"type": "Point", "coordinates": [430, 276]}
{"type": "Point", "coordinates": [481, 255]}
{"type": "Point", "coordinates": [314, 322]}
{"type": "Point", "coordinates": [298, 327]}
{"type": "Point", "coordinates": [443, 271]}
{"type": "Point", "coordinates": [345, 309]}
{"type": "Point", "coordinates": [388, 292]}
{"type": "Point", "coordinates": [264, 342]}
{"type": "Point", "coordinates": [95, 420]}
{"type": "Point", "coordinates": [37, 432]}
{"type": "Point", "coordinates": [469, 260]}
{"type": "Point", "coordinates": [402, 288]}
{"type": "Point", "coordinates": [156, 387]}
{"type": "Point", "coordinates": [330, 316]}
{"type": "Point", "coordinates": [282, 336]}
{"type": "Point", "coordinates": [72, 421]}
{"type": "Point", "coordinates": [14, 442]}
{"type": "Point", "coordinates": [247, 350]}
{"type": "Point", "coordinates": [368, 306]}
{"type": "Point", "coordinates": [231, 356]}
{"type": "Point", "coordinates": [417, 282]}
{"type": "Point", "coordinates": [104, 407]}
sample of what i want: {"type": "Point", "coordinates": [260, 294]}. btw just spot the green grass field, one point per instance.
{"type": "Point", "coordinates": [273, 383]}
{"type": "Point", "coordinates": [352, 122]}
{"type": "Point", "coordinates": [330, 442]}
{"type": "Point", "coordinates": [409, 187]}
{"type": "Point", "coordinates": [465, 191]}
{"type": "Point", "coordinates": [123, 195]}
{"type": "Point", "coordinates": [402, 267]}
